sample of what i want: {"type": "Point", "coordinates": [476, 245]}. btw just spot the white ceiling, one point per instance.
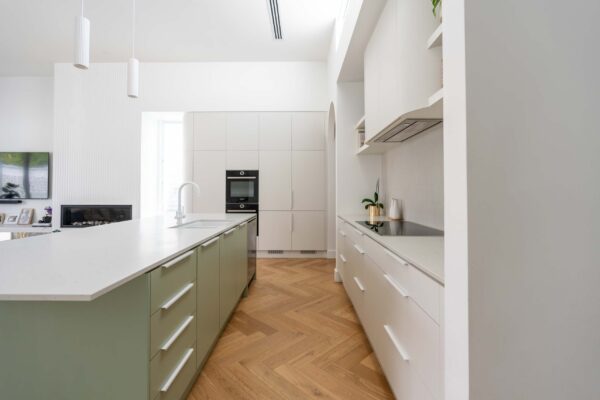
{"type": "Point", "coordinates": [34, 34]}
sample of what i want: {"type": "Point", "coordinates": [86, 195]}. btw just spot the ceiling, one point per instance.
{"type": "Point", "coordinates": [34, 34]}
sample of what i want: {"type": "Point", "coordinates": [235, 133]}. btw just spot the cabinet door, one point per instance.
{"type": "Point", "coordinates": [308, 131]}
{"type": "Point", "coordinates": [241, 251]}
{"type": "Point", "coordinates": [275, 229]}
{"type": "Point", "coordinates": [308, 230]}
{"type": "Point", "coordinates": [209, 174]}
{"type": "Point", "coordinates": [227, 277]}
{"type": "Point", "coordinates": [210, 131]}
{"type": "Point", "coordinates": [242, 131]}
{"type": "Point", "coordinates": [371, 85]}
{"type": "Point", "coordinates": [275, 180]}
{"type": "Point", "coordinates": [247, 159]}
{"type": "Point", "coordinates": [275, 131]}
{"type": "Point", "coordinates": [309, 176]}
{"type": "Point", "coordinates": [207, 297]}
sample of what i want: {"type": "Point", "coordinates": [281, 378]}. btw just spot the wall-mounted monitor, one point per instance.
{"type": "Point", "coordinates": [24, 176]}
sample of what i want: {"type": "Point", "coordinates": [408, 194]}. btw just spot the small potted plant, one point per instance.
{"type": "Point", "coordinates": [435, 4]}
{"type": "Point", "coordinates": [373, 205]}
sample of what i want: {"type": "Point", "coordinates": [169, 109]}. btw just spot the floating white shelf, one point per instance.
{"type": "Point", "coordinates": [435, 40]}
{"type": "Point", "coordinates": [436, 98]}
{"type": "Point", "coordinates": [361, 124]}
{"type": "Point", "coordinates": [24, 228]}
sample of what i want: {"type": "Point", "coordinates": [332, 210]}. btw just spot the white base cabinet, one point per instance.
{"type": "Point", "coordinates": [400, 309]}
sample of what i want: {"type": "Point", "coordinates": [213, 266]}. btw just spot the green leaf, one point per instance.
{"type": "Point", "coordinates": [367, 206]}
{"type": "Point", "coordinates": [375, 197]}
{"type": "Point", "coordinates": [367, 201]}
{"type": "Point", "coordinates": [380, 205]}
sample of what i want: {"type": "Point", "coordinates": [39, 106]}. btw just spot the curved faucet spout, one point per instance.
{"type": "Point", "coordinates": [179, 215]}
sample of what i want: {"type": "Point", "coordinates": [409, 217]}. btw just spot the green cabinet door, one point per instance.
{"type": "Point", "coordinates": [207, 296]}
{"type": "Point", "coordinates": [227, 277]}
{"type": "Point", "coordinates": [241, 258]}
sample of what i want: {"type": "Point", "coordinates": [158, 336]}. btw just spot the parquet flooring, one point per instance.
{"type": "Point", "coordinates": [295, 336]}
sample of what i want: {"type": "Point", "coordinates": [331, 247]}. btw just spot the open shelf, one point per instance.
{"type": "Point", "coordinates": [361, 124]}
{"type": "Point", "coordinates": [437, 98]}
{"type": "Point", "coordinates": [24, 228]}
{"type": "Point", "coordinates": [435, 40]}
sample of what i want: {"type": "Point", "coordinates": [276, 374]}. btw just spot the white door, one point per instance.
{"type": "Point", "coordinates": [210, 131]}
{"type": "Point", "coordinates": [275, 180]}
{"type": "Point", "coordinates": [209, 174]}
{"type": "Point", "coordinates": [275, 131]}
{"type": "Point", "coordinates": [274, 230]}
{"type": "Point", "coordinates": [308, 131]}
{"type": "Point", "coordinates": [309, 176]}
{"type": "Point", "coordinates": [308, 230]}
{"type": "Point", "coordinates": [242, 131]}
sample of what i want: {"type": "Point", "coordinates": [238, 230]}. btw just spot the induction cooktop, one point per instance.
{"type": "Point", "coordinates": [400, 228]}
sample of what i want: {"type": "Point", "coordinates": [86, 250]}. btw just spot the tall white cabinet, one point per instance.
{"type": "Point", "coordinates": [288, 149]}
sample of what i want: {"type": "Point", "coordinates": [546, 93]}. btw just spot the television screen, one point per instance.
{"type": "Point", "coordinates": [24, 175]}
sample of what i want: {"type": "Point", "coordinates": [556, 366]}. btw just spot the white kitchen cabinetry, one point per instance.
{"type": "Point", "coordinates": [275, 180]}
{"type": "Point", "coordinates": [242, 131]}
{"type": "Point", "coordinates": [308, 131]}
{"type": "Point", "coordinates": [209, 174]}
{"type": "Point", "coordinates": [308, 230]}
{"type": "Point", "coordinates": [275, 131]}
{"type": "Point", "coordinates": [309, 175]}
{"type": "Point", "coordinates": [401, 73]}
{"type": "Point", "coordinates": [275, 229]}
{"type": "Point", "coordinates": [246, 159]}
{"type": "Point", "coordinates": [210, 131]}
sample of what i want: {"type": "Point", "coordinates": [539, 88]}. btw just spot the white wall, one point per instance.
{"type": "Point", "coordinates": [26, 124]}
{"type": "Point", "coordinates": [97, 133]}
{"type": "Point", "coordinates": [413, 173]}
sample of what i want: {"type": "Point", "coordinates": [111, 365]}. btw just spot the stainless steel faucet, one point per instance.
{"type": "Point", "coordinates": [179, 215]}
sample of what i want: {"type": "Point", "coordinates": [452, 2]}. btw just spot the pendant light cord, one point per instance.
{"type": "Point", "coordinates": [132, 31]}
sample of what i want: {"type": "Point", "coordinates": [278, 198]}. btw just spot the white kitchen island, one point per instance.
{"type": "Point", "coordinates": [122, 311]}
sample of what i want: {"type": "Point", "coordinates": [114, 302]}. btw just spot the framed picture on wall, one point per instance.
{"type": "Point", "coordinates": [26, 216]}
{"type": "Point", "coordinates": [11, 220]}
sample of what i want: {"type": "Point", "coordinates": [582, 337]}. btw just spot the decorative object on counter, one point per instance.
{"type": "Point", "coordinates": [373, 205]}
{"type": "Point", "coordinates": [11, 220]}
{"type": "Point", "coordinates": [26, 216]}
{"type": "Point", "coordinates": [47, 218]}
{"type": "Point", "coordinates": [395, 212]}
{"type": "Point", "coordinates": [2, 216]}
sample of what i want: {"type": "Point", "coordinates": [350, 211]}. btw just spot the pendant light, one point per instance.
{"type": "Point", "coordinates": [133, 66]}
{"type": "Point", "coordinates": [82, 41]}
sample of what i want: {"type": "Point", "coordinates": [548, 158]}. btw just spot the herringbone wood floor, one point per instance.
{"type": "Point", "coordinates": [295, 336]}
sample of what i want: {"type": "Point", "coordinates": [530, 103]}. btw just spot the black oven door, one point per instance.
{"type": "Point", "coordinates": [242, 187]}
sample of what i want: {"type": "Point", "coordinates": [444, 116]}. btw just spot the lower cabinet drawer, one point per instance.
{"type": "Point", "coordinates": [170, 278]}
{"type": "Point", "coordinates": [167, 326]}
{"type": "Point", "coordinates": [172, 370]}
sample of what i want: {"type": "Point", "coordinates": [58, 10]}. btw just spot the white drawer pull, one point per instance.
{"type": "Point", "coordinates": [177, 333]}
{"type": "Point", "coordinates": [178, 296]}
{"type": "Point", "coordinates": [358, 232]}
{"type": "Point", "coordinates": [361, 251]}
{"type": "Point", "coordinates": [230, 231]}
{"type": "Point", "coordinates": [359, 284]}
{"type": "Point", "coordinates": [342, 233]}
{"type": "Point", "coordinates": [343, 258]}
{"type": "Point", "coordinates": [397, 344]}
{"type": "Point", "coordinates": [210, 242]}
{"type": "Point", "coordinates": [167, 385]}
{"type": "Point", "coordinates": [395, 257]}
{"type": "Point", "coordinates": [178, 259]}
{"type": "Point", "coordinates": [392, 282]}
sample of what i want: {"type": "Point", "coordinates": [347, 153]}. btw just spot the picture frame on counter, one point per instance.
{"type": "Point", "coordinates": [26, 216]}
{"type": "Point", "coordinates": [2, 217]}
{"type": "Point", "coordinates": [11, 220]}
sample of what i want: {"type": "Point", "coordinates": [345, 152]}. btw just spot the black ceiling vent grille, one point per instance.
{"type": "Point", "coordinates": [275, 21]}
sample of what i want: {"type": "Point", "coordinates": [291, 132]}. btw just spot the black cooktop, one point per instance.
{"type": "Point", "coordinates": [400, 228]}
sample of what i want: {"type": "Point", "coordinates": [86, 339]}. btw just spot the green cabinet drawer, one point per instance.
{"type": "Point", "coordinates": [171, 371]}
{"type": "Point", "coordinates": [170, 279]}
{"type": "Point", "coordinates": [165, 325]}
{"type": "Point", "coordinates": [207, 306]}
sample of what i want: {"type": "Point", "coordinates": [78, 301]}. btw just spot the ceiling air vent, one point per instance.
{"type": "Point", "coordinates": [275, 21]}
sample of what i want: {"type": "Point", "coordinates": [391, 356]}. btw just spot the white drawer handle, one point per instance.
{"type": "Point", "coordinates": [177, 333]}
{"type": "Point", "coordinates": [210, 242]}
{"type": "Point", "coordinates": [167, 385]}
{"type": "Point", "coordinates": [392, 282]}
{"type": "Point", "coordinates": [357, 231]}
{"type": "Point", "coordinates": [178, 259]}
{"type": "Point", "coordinates": [230, 231]}
{"type": "Point", "coordinates": [359, 284]}
{"type": "Point", "coordinates": [395, 257]}
{"type": "Point", "coordinates": [343, 258]}
{"type": "Point", "coordinates": [342, 233]}
{"type": "Point", "coordinates": [397, 344]}
{"type": "Point", "coordinates": [178, 296]}
{"type": "Point", "coordinates": [361, 251]}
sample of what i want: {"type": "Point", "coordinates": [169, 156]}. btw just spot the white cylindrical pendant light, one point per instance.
{"type": "Point", "coordinates": [133, 66]}
{"type": "Point", "coordinates": [82, 41]}
{"type": "Point", "coordinates": [133, 77]}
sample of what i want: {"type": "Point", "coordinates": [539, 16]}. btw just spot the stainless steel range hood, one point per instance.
{"type": "Point", "coordinates": [406, 128]}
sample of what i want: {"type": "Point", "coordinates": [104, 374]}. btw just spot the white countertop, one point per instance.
{"type": "Point", "coordinates": [424, 252]}
{"type": "Point", "coordinates": [83, 264]}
